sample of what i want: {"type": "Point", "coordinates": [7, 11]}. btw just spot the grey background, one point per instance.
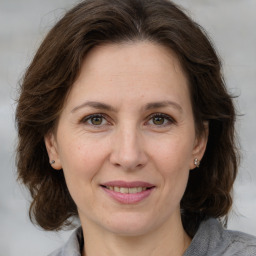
{"type": "Point", "coordinates": [23, 23]}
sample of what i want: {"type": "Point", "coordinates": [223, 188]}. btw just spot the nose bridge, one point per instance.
{"type": "Point", "coordinates": [128, 151]}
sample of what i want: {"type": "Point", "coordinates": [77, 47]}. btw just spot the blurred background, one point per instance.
{"type": "Point", "coordinates": [24, 23]}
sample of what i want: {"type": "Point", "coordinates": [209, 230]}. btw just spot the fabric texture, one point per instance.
{"type": "Point", "coordinates": [73, 246]}
{"type": "Point", "coordinates": [210, 240]}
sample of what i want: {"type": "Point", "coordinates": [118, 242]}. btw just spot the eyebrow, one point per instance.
{"type": "Point", "coordinates": [96, 105]}
{"type": "Point", "coordinates": [162, 104]}
{"type": "Point", "coordinates": [103, 106]}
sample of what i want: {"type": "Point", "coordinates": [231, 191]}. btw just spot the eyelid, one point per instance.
{"type": "Point", "coordinates": [85, 119]}
{"type": "Point", "coordinates": [167, 117]}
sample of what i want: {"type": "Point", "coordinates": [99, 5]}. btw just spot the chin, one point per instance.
{"type": "Point", "coordinates": [129, 224]}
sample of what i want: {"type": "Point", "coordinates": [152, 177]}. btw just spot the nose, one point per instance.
{"type": "Point", "coordinates": [128, 151]}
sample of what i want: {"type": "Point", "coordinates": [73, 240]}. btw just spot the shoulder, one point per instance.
{"type": "Point", "coordinates": [212, 239]}
{"type": "Point", "coordinates": [73, 246]}
{"type": "Point", "coordinates": [240, 243]}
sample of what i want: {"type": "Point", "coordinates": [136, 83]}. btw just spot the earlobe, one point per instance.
{"type": "Point", "coordinates": [200, 147]}
{"type": "Point", "coordinates": [52, 150]}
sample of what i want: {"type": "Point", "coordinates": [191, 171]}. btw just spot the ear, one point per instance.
{"type": "Point", "coordinates": [52, 150]}
{"type": "Point", "coordinates": [200, 145]}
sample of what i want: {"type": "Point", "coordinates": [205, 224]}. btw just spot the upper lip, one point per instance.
{"type": "Point", "coordinates": [127, 184]}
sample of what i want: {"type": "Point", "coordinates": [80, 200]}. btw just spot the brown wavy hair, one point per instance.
{"type": "Point", "coordinates": [55, 67]}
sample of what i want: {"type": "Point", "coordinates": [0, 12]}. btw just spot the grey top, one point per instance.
{"type": "Point", "coordinates": [210, 240]}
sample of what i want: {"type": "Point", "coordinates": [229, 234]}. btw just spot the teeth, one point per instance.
{"type": "Point", "coordinates": [132, 190]}
{"type": "Point", "coordinates": [124, 190]}
{"type": "Point", "coordinates": [127, 190]}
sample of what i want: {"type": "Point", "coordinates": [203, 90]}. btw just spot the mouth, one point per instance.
{"type": "Point", "coordinates": [128, 192]}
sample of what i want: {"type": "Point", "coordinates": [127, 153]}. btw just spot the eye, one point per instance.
{"type": "Point", "coordinates": [95, 120]}
{"type": "Point", "coordinates": [160, 119]}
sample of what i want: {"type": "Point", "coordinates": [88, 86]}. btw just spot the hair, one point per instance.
{"type": "Point", "coordinates": [55, 67]}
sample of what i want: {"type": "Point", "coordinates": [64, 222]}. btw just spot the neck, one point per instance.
{"type": "Point", "coordinates": [168, 240]}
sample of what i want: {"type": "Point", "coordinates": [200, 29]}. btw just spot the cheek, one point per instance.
{"type": "Point", "coordinates": [81, 162]}
{"type": "Point", "coordinates": [172, 160]}
{"type": "Point", "coordinates": [174, 154]}
{"type": "Point", "coordinates": [175, 173]}
{"type": "Point", "coordinates": [81, 154]}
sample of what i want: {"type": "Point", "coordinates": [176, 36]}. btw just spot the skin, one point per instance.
{"type": "Point", "coordinates": [129, 142]}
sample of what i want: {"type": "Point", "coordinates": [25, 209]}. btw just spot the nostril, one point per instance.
{"type": "Point", "coordinates": [129, 158]}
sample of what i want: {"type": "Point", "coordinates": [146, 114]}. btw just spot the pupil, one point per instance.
{"type": "Point", "coordinates": [158, 120]}
{"type": "Point", "coordinates": [96, 120]}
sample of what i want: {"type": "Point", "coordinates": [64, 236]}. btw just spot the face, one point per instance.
{"type": "Point", "coordinates": [126, 138]}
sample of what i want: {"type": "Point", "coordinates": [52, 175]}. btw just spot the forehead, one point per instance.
{"type": "Point", "coordinates": [136, 70]}
{"type": "Point", "coordinates": [140, 56]}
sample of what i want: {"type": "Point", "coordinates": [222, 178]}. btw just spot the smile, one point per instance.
{"type": "Point", "coordinates": [124, 190]}
{"type": "Point", "coordinates": [128, 192]}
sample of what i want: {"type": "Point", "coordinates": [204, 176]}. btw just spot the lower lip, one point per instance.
{"type": "Point", "coordinates": [128, 198]}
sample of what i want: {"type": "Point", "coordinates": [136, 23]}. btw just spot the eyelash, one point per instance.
{"type": "Point", "coordinates": [169, 119]}
{"type": "Point", "coordinates": [88, 118]}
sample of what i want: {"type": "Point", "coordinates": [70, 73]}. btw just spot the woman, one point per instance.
{"type": "Point", "coordinates": [124, 121]}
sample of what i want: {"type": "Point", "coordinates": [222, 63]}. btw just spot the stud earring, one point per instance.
{"type": "Point", "coordinates": [196, 162]}
{"type": "Point", "coordinates": [52, 162]}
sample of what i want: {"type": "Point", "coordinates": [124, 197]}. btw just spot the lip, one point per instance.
{"type": "Point", "coordinates": [125, 184]}
{"type": "Point", "coordinates": [124, 198]}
